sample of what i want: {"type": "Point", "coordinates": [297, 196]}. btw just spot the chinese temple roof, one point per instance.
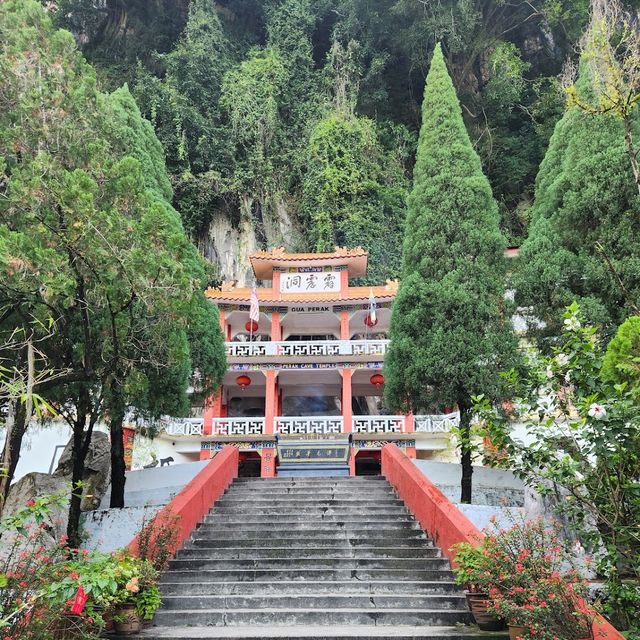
{"type": "Point", "coordinates": [264, 262]}
{"type": "Point", "coordinates": [232, 295]}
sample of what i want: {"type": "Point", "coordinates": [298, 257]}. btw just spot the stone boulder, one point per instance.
{"type": "Point", "coordinates": [97, 470]}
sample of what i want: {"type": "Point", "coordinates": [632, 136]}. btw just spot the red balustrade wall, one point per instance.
{"type": "Point", "coordinates": [195, 500]}
{"type": "Point", "coordinates": [441, 519]}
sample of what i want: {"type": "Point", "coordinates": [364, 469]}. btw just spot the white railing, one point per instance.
{"type": "Point", "coordinates": [378, 424]}
{"type": "Point", "coordinates": [183, 426]}
{"type": "Point", "coordinates": [442, 423]}
{"type": "Point", "coordinates": [307, 349]}
{"type": "Point", "coordinates": [303, 425]}
{"type": "Point", "coordinates": [238, 426]}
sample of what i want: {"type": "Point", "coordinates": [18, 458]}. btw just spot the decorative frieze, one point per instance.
{"type": "Point", "coordinates": [294, 426]}
{"type": "Point", "coordinates": [237, 426]}
{"type": "Point", "coordinates": [378, 424]}
{"type": "Point", "coordinates": [307, 349]}
{"type": "Point", "coordinates": [441, 423]}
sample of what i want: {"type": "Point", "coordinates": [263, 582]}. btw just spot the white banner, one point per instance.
{"type": "Point", "coordinates": [314, 282]}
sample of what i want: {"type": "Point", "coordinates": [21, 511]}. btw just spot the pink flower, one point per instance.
{"type": "Point", "coordinates": [31, 503]}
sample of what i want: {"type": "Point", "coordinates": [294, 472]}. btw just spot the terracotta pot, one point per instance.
{"type": "Point", "coordinates": [126, 620]}
{"type": "Point", "coordinates": [516, 631]}
{"type": "Point", "coordinates": [486, 621]}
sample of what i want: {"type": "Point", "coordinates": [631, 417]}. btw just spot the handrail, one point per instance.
{"type": "Point", "coordinates": [442, 520]}
{"type": "Point", "coordinates": [194, 501]}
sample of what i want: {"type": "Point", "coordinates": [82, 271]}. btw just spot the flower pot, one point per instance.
{"type": "Point", "coordinates": [126, 620]}
{"type": "Point", "coordinates": [486, 621]}
{"type": "Point", "coordinates": [516, 631]}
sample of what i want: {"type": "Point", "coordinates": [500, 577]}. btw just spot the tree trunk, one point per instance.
{"type": "Point", "coordinates": [16, 427]}
{"type": "Point", "coordinates": [81, 442]}
{"type": "Point", "coordinates": [465, 449]}
{"type": "Point", "coordinates": [118, 478]}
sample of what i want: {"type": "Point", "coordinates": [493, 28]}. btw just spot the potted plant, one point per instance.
{"type": "Point", "coordinates": [138, 595]}
{"type": "Point", "coordinates": [469, 565]}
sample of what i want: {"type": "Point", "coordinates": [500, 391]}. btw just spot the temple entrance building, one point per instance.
{"type": "Point", "coordinates": [305, 355]}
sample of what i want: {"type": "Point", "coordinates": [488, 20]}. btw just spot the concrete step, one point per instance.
{"type": "Point", "coordinates": [358, 527]}
{"type": "Point", "coordinates": [318, 632]}
{"type": "Point", "coordinates": [342, 552]}
{"type": "Point", "coordinates": [447, 602]}
{"type": "Point", "coordinates": [231, 617]}
{"type": "Point", "coordinates": [274, 506]}
{"type": "Point", "coordinates": [342, 539]}
{"type": "Point", "coordinates": [320, 493]}
{"type": "Point", "coordinates": [195, 564]}
{"type": "Point", "coordinates": [312, 481]}
{"type": "Point", "coordinates": [298, 587]}
{"type": "Point", "coordinates": [307, 516]}
{"type": "Point", "coordinates": [307, 502]}
{"type": "Point", "coordinates": [311, 574]}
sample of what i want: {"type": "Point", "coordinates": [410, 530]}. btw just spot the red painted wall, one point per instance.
{"type": "Point", "coordinates": [441, 519]}
{"type": "Point", "coordinates": [195, 500]}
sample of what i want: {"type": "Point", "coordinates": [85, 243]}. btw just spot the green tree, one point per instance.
{"type": "Point", "coordinates": [621, 363]}
{"type": "Point", "coordinates": [450, 326]}
{"type": "Point", "coordinates": [92, 242]}
{"type": "Point", "coordinates": [584, 222]}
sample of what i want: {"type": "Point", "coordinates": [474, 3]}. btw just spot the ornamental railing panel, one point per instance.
{"type": "Point", "coordinates": [378, 424]}
{"type": "Point", "coordinates": [442, 423]}
{"type": "Point", "coordinates": [307, 349]}
{"type": "Point", "coordinates": [184, 426]}
{"type": "Point", "coordinates": [238, 426]}
{"type": "Point", "coordinates": [303, 425]}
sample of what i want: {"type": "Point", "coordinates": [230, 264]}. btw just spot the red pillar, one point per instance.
{"type": "Point", "coordinates": [344, 281]}
{"type": "Point", "coordinates": [352, 461]}
{"type": "Point", "coordinates": [344, 326]}
{"type": "Point", "coordinates": [223, 322]}
{"type": "Point", "coordinates": [270, 401]}
{"type": "Point", "coordinates": [347, 414]}
{"type": "Point", "coordinates": [276, 330]}
{"type": "Point", "coordinates": [409, 423]}
{"type": "Point", "coordinates": [212, 409]}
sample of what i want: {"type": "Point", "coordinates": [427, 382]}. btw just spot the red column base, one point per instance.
{"type": "Point", "coordinates": [267, 463]}
{"type": "Point", "coordinates": [352, 462]}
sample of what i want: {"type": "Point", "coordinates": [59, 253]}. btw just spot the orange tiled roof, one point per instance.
{"type": "Point", "coordinates": [228, 293]}
{"type": "Point", "coordinates": [263, 262]}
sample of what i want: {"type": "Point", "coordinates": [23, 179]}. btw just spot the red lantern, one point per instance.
{"type": "Point", "coordinates": [377, 379]}
{"type": "Point", "coordinates": [369, 322]}
{"type": "Point", "coordinates": [243, 381]}
{"type": "Point", "coordinates": [251, 326]}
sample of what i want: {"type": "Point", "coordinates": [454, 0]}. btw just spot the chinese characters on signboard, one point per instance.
{"type": "Point", "coordinates": [319, 282]}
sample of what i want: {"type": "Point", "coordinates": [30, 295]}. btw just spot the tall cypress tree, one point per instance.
{"type": "Point", "coordinates": [450, 327]}
{"type": "Point", "coordinates": [582, 242]}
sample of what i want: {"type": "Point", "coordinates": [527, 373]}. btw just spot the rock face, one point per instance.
{"type": "Point", "coordinates": [96, 479]}
{"type": "Point", "coordinates": [97, 471]}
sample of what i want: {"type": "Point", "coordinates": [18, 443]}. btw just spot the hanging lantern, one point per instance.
{"type": "Point", "coordinates": [377, 379]}
{"type": "Point", "coordinates": [369, 321]}
{"type": "Point", "coordinates": [243, 381]}
{"type": "Point", "coordinates": [251, 326]}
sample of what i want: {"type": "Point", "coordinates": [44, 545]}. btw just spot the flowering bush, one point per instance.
{"type": "Point", "coordinates": [137, 581]}
{"type": "Point", "coordinates": [582, 444]}
{"type": "Point", "coordinates": [530, 581]}
{"type": "Point", "coordinates": [158, 539]}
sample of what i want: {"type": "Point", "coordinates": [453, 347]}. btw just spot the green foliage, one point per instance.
{"type": "Point", "coordinates": [621, 362]}
{"type": "Point", "coordinates": [585, 220]}
{"type": "Point", "coordinates": [354, 192]}
{"type": "Point", "coordinates": [450, 323]}
{"type": "Point", "coordinates": [582, 447]}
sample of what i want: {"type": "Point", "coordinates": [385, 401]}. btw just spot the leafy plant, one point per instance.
{"type": "Point", "coordinates": [158, 539]}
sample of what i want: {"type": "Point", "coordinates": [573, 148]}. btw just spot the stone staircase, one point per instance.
{"type": "Point", "coordinates": [310, 558]}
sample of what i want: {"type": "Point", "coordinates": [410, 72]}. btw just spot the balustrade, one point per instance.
{"type": "Point", "coordinates": [298, 426]}
{"type": "Point", "coordinates": [378, 424]}
{"type": "Point", "coordinates": [238, 426]}
{"type": "Point", "coordinates": [307, 349]}
{"type": "Point", "coordinates": [319, 425]}
{"type": "Point", "coordinates": [184, 426]}
{"type": "Point", "coordinates": [442, 423]}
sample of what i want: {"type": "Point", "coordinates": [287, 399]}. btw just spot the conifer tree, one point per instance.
{"type": "Point", "coordinates": [450, 327]}
{"type": "Point", "coordinates": [585, 222]}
